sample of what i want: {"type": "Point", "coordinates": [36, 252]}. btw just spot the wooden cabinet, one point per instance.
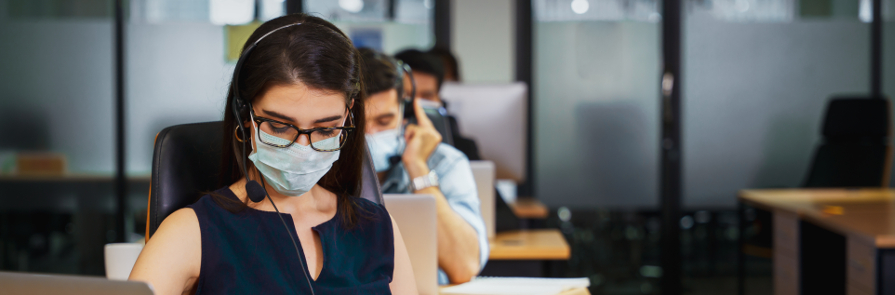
{"type": "Point", "coordinates": [860, 267]}
{"type": "Point", "coordinates": [786, 259]}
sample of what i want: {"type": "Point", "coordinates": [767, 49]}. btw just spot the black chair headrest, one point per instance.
{"type": "Point", "coordinates": [851, 118]}
{"type": "Point", "coordinates": [186, 163]}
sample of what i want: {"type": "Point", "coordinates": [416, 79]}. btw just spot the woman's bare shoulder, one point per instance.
{"type": "Point", "coordinates": [184, 219]}
{"type": "Point", "coordinates": [172, 257]}
{"type": "Point", "coordinates": [178, 230]}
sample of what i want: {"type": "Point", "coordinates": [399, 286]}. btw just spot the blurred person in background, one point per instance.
{"type": "Point", "coordinates": [462, 240]}
{"type": "Point", "coordinates": [505, 219]}
{"type": "Point", "coordinates": [429, 74]}
{"type": "Point", "coordinates": [449, 62]}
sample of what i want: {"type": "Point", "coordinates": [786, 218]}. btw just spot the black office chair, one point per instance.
{"type": "Point", "coordinates": [185, 164]}
{"type": "Point", "coordinates": [855, 149]}
{"type": "Point", "coordinates": [854, 152]}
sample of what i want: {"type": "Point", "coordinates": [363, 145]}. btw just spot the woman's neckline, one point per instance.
{"type": "Point", "coordinates": [233, 195]}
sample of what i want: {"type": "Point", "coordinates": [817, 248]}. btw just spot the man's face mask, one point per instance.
{"type": "Point", "coordinates": [383, 146]}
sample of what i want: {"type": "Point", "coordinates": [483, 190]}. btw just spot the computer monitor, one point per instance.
{"type": "Point", "coordinates": [495, 116]}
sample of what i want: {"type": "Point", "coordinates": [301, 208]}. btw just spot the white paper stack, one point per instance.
{"type": "Point", "coordinates": [516, 286]}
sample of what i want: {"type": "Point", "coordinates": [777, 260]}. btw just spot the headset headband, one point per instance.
{"type": "Point", "coordinates": [242, 59]}
{"type": "Point", "coordinates": [255, 191]}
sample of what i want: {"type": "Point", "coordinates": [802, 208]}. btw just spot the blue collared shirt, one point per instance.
{"type": "Point", "coordinates": [458, 187]}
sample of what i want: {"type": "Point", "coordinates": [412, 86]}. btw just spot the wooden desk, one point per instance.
{"type": "Point", "coordinates": [530, 208]}
{"type": "Point", "coordinates": [526, 253]}
{"type": "Point", "coordinates": [542, 244]}
{"type": "Point", "coordinates": [578, 291]}
{"type": "Point", "coordinates": [68, 193]}
{"type": "Point", "coordinates": [850, 231]}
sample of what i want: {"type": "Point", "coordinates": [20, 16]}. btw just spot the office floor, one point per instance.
{"type": "Point", "coordinates": [619, 252]}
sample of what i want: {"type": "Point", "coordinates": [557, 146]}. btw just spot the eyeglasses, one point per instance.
{"type": "Point", "coordinates": [283, 135]}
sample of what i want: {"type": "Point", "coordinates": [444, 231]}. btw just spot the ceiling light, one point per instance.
{"type": "Point", "coordinates": [353, 6]}
{"type": "Point", "coordinates": [580, 6]}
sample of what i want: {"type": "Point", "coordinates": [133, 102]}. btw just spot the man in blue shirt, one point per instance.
{"type": "Point", "coordinates": [426, 166]}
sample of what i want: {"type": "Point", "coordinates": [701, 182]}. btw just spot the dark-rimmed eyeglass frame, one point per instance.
{"type": "Point", "coordinates": [344, 131]}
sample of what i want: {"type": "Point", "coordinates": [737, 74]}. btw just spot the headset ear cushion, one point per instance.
{"type": "Point", "coordinates": [242, 109]}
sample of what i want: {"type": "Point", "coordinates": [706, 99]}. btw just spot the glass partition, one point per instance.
{"type": "Point", "coordinates": [889, 57]}
{"type": "Point", "coordinates": [596, 132]}
{"type": "Point", "coordinates": [596, 104]}
{"type": "Point", "coordinates": [178, 72]}
{"type": "Point", "coordinates": [756, 88]}
{"type": "Point", "coordinates": [758, 75]}
{"type": "Point", "coordinates": [57, 151]}
{"type": "Point", "coordinates": [373, 24]}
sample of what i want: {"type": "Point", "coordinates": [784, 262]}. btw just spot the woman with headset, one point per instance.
{"type": "Point", "coordinates": [289, 219]}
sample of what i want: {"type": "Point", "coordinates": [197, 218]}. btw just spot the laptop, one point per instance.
{"type": "Point", "coordinates": [483, 173]}
{"type": "Point", "coordinates": [20, 283]}
{"type": "Point", "coordinates": [415, 216]}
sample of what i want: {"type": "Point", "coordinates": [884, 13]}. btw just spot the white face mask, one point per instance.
{"type": "Point", "coordinates": [383, 145]}
{"type": "Point", "coordinates": [294, 170]}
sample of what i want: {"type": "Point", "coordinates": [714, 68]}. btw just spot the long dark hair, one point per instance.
{"type": "Point", "coordinates": [322, 57]}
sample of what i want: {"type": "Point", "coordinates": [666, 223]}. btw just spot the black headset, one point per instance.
{"type": "Point", "coordinates": [401, 70]}
{"type": "Point", "coordinates": [404, 69]}
{"type": "Point", "coordinates": [406, 103]}
{"type": "Point", "coordinates": [255, 191]}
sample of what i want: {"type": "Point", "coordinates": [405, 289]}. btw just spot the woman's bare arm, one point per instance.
{"type": "Point", "coordinates": [171, 259]}
{"type": "Point", "coordinates": [403, 281]}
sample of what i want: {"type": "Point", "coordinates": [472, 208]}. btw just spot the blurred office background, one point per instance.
{"type": "Point", "coordinates": [757, 75]}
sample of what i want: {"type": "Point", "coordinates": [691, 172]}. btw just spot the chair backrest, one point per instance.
{"type": "Point", "coordinates": [855, 151]}
{"type": "Point", "coordinates": [856, 119]}
{"type": "Point", "coordinates": [186, 162]}
{"type": "Point", "coordinates": [439, 119]}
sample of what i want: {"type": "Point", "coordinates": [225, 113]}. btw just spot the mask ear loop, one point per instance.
{"type": "Point", "coordinates": [349, 118]}
{"type": "Point", "coordinates": [254, 127]}
{"type": "Point", "coordinates": [402, 144]}
{"type": "Point", "coordinates": [401, 124]}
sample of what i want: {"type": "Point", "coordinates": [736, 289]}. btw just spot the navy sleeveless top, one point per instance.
{"type": "Point", "coordinates": [249, 252]}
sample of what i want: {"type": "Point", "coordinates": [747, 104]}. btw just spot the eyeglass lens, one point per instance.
{"type": "Point", "coordinates": [326, 139]}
